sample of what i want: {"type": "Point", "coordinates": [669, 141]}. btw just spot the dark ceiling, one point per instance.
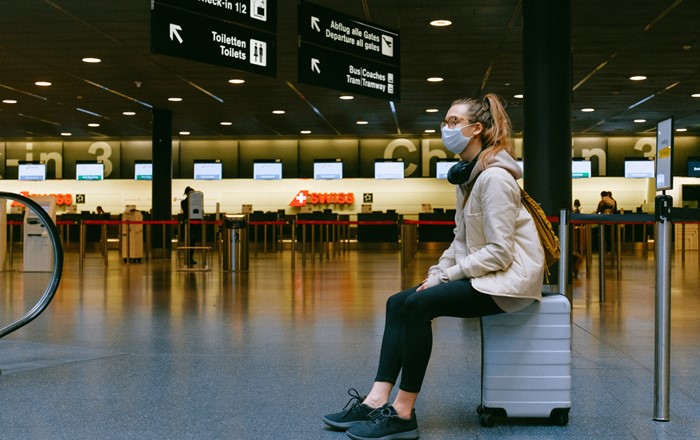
{"type": "Point", "coordinates": [481, 51]}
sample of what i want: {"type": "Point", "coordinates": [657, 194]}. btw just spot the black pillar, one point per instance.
{"type": "Point", "coordinates": [547, 105]}
{"type": "Point", "coordinates": [161, 185]}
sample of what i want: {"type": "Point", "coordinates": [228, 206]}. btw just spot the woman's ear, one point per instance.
{"type": "Point", "coordinates": [478, 128]}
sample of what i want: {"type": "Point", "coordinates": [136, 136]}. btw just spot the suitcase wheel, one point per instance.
{"type": "Point", "coordinates": [559, 416]}
{"type": "Point", "coordinates": [487, 420]}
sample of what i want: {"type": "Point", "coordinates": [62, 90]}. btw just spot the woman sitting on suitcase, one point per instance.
{"type": "Point", "coordinates": [494, 264]}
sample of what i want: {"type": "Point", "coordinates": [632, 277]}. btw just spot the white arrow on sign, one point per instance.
{"type": "Point", "coordinates": [315, 65]}
{"type": "Point", "coordinates": [174, 32]}
{"type": "Point", "coordinates": [314, 23]}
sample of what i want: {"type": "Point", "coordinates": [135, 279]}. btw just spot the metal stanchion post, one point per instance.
{"type": "Point", "coordinates": [82, 244]}
{"type": "Point", "coordinates": [589, 250]}
{"type": "Point", "coordinates": [294, 243]}
{"type": "Point", "coordinates": [601, 262]}
{"type": "Point", "coordinates": [619, 251]}
{"type": "Point", "coordinates": [662, 345]}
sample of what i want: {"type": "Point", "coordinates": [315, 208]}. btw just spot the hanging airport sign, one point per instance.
{"type": "Point", "coordinates": [334, 30]}
{"type": "Point", "coordinates": [195, 37]}
{"type": "Point", "coordinates": [327, 68]}
{"type": "Point", "coordinates": [260, 14]}
{"type": "Point", "coordinates": [344, 53]}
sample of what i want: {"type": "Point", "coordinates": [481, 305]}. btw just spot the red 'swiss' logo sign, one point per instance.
{"type": "Point", "coordinates": [304, 198]}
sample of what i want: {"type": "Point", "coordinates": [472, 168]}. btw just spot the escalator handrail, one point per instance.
{"type": "Point", "coordinates": [52, 287]}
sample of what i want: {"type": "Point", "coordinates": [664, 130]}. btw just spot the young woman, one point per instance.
{"type": "Point", "coordinates": [495, 264]}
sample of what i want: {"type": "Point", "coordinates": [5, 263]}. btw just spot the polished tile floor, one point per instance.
{"type": "Point", "coordinates": [142, 351]}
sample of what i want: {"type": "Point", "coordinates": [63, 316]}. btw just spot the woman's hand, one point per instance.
{"type": "Point", "coordinates": [430, 281]}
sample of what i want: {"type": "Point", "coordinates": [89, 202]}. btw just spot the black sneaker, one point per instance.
{"type": "Point", "coordinates": [385, 424]}
{"type": "Point", "coordinates": [357, 412]}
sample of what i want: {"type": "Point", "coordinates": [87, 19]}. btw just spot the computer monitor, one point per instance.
{"type": "Point", "coordinates": [267, 169]}
{"type": "Point", "coordinates": [89, 170]}
{"type": "Point", "coordinates": [31, 170]}
{"type": "Point", "coordinates": [639, 168]}
{"type": "Point", "coordinates": [694, 167]}
{"type": "Point", "coordinates": [208, 169]}
{"type": "Point", "coordinates": [442, 166]}
{"type": "Point", "coordinates": [143, 170]}
{"type": "Point", "coordinates": [388, 169]}
{"type": "Point", "coordinates": [328, 169]}
{"type": "Point", "coordinates": [580, 168]}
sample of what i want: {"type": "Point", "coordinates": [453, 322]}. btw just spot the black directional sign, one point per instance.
{"type": "Point", "coordinates": [199, 38]}
{"type": "Point", "coordinates": [342, 52]}
{"type": "Point", "coordinates": [261, 14]}
{"type": "Point", "coordinates": [330, 69]}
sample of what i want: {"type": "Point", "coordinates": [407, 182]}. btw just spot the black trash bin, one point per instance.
{"type": "Point", "coordinates": [235, 243]}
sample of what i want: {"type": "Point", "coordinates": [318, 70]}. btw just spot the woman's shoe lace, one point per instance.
{"type": "Point", "coordinates": [355, 399]}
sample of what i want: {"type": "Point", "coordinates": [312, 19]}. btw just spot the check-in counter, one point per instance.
{"type": "Point", "coordinates": [370, 232]}
{"type": "Point", "coordinates": [437, 233]}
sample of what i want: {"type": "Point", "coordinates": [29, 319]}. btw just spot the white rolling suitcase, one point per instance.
{"type": "Point", "coordinates": [526, 362]}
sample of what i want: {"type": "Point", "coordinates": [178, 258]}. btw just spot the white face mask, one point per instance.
{"type": "Point", "coordinates": [454, 140]}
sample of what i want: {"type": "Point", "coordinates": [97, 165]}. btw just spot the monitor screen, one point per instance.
{"type": "Point", "coordinates": [388, 169]}
{"type": "Point", "coordinates": [442, 166]}
{"type": "Point", "coordinates": [328, 169]}
{"type": "Point", "coordinates": [31, 171]}
{"type": "Point", "coordinates": [694, 167]}
{"type": "Point", "coordinates": [143, 170]}
{"type": "Point", "coordinates": [580, 169]}
{"type": "Point", "coordinates": [267, 170]}
{"type": "Point", "coordinates": [89, 171]}
{"type": "Point", "coordinates": [639, 168]}
{"type": "Point", "coordinates": [208, 170]}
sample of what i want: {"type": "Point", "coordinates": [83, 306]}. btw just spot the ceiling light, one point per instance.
{"type": "Point", "coordinates": [518, 96]}
{"type": "Point", "coordinates": [184, 133]}
{"type": "Point", "coordinates": [695, 95]}
{"type": "Point", "coordinates": [91, 60]}
{"type": "Point", "coordinates": [681, 129]}
{"type": "Point", "coordinates": [305, 132]}
{"type": "Point", "coordinates": [9, 101]}
{"type": "Point", "coordinates": [346, 97]}
{"type": "Point", "coordinates": [42, 83]}
{"type": "Point", "coordinates": [93, 124]}
{"type": "Point", "coordinates": [587, 110]}
{"type": "Point", "coordinates": [174, 99]}
{"type": "Point", "coordinates": [440, 23]}
{"type": "Point", "coordinates": [65, 133]}
{"type": "Point", "coordinates": [236, 81]}
{"type": "Point", "coordinates": [431, 110]}
{"type": "Point", "coordinates": [128, 113]}
{"type": "Point", "coordinates": [435, 79]}
{"type": "Point", "coordinates": [640, 121]}
{"type": "Point", "coordinates": [638, 78]}
{"type": "Point", "coordinates": [429, 130]}
{"type": "Point", "coordinates": [227, 123]}
{"type": "Point", "coordinates": [278, 112]}
{"type": "Point", "coordinates": [360, 122]}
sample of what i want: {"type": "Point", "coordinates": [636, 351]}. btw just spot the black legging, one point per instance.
{"type": "Point", "coordinates": [408, 334]}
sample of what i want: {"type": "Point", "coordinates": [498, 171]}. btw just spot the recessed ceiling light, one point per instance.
{"type": "Point", "coordinates": [431, 110]}
{"type": "Point", "coordinates": [681, 129]}
{"type": "Point", "coordinates": [519, 96]}
{"type": "Point", "coordinates": [184, 133]}
{"type": "Point", "coordinates": [65, 133]}
{"type": "Point", "coordinates": [227, 123]}
{"type": "Point", "coordinates": [278, 112]}
{"type": "Point", "coordinates": [587, 110]}
{"type": "Point", "coordinates": [42, 83]}
{"type": "Point", "coordinates": [305, 132]}
{"type": "Point", "coordinates": [362, 122]}
{"type": "Point", "coordinates": [429, 130]}
{"type": "Point", "coordinates": [435, 79]}
{"type": "Point", "coordinates": [175, 99]}
{"type": "Point", "coordinates": [91, 60]}
{"type": "Point", "coordinates": [638, 78]}
{"type": "Point", "coordinates": [440, 23]}
{"type": "Point", "coordinates": [640, 121]}
{"type": "Point", "coordinates": [236, 81]}
{"type": "Point", "coordinates": [93, 124]}
{"type": "Point", "coordinates": [346, 97]}
{"type": "Point", "coordinates": [9, 101]}
{"type": "Point", "coordinates": [695, 95]}
{"type": "Point", "coordinates": [128, 113]}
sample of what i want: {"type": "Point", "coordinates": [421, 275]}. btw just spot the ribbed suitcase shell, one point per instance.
{"type": "Point", "coordinates": [526, 361]}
